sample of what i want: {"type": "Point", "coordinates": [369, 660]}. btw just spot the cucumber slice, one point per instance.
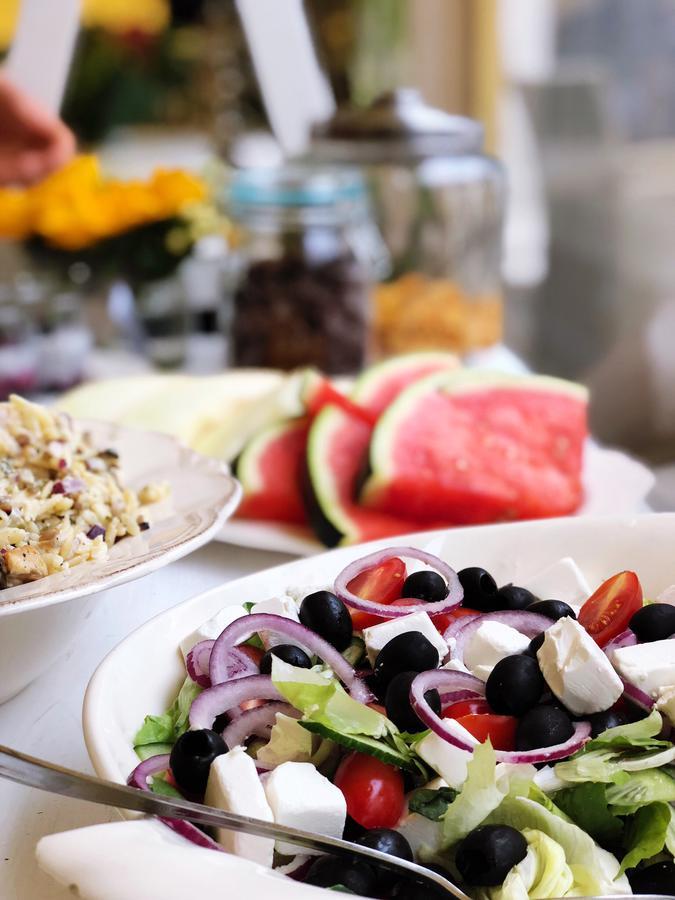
{"type": "Point", "coordinates": [355, 652]}
{"type": "Point", "coordinates": [362, 744]}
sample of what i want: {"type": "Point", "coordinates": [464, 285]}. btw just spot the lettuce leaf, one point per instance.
{"type": "Point", "coordinates": [587, 806]}
{"type": "Point", "coordinates": [646, 833]}
{"type": "Point", "coordinates": [481, 794]}
{"type": "Point", "coordinates": [320, 697]}
{"type": "Point", "coordinates": [159, 732]}
{"type": "Point", "coordinates": [432, 804]}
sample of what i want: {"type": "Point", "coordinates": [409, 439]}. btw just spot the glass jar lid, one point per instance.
{"type": "Point", "coordinates": [397, 127]}
{"type": "Point", "coordinates": [296, 186]}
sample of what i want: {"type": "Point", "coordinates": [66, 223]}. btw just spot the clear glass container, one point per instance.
{"type": "Point", "coordinates": [18, 346]}
{"type": "Point", "coordinates": [308, 254]}
{"type": "Point", "coordinates": [438, 200]}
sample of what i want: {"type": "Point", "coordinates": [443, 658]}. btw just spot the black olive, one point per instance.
{"type": "Point", "coordinates": [510, 596]}
{"type": "Point", "coordinates": [326, 614]}
{"type": "Point", "coordinates": [480, 589]}
{"type": "Point", "coordinates": [289, 653]}
{"type": "Point", "coordinates": [405, 889]}
{"type": "Point", "coordinates": [397, 703]}
{"type": "Point", "coordinates": [552, 609]}
{"type": "Point", "coordinates": [221, 722]}
{"type": "Point", "coordinates": [659, 878]}
{"type": "Point", "coordinates": [534, 645]}
{"type": "Point", "coordinates": [601, 721]}
{"type": "Point", "coordinates": [358, 876]}
{"type": "Point", "coordinates": [487, 854]}
{"type": "Point", "coordinates": [427, 585]}
{"type": "Point", "coordinates": [191, 759]}
{"type": "Point", "coordinates": [407, 652]}
{"type": "Point", "coordinates": [386, 840]}
{"type": "Point", "coordinates": [543, 726]}
{"type": "Point", "coordinates": [655, 622]}
{"type": "Point", "coordinates": [514, 685]}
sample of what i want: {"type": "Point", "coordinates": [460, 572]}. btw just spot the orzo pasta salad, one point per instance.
{"type": "Point", "coordinates": [62, 499]}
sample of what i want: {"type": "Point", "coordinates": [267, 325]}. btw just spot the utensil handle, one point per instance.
{"type": "Point", "coordinates": [33, 772]}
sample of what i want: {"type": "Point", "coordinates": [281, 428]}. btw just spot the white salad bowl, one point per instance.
{"type": "Point", "coordinates": [39, 620]}
{"type": "Point", "coordinates": [142, 674]}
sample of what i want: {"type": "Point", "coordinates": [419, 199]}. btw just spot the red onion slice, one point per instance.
{"type": "Point", "coordinates": [245, 627]}
{"type": "Point", "coordinates": [527, 623]}
{"type": "Point", "coordinates": [446, 680]}
{"type": "Point", "coordinates": [627, 638]}
{"type": "Point", "coordinates": [258, 722]}
{"type": "Point", "coordinates": [139, 779]}
{"type": "Point", "coordinates": [453, 599]}
{"type": "Point", "coordinates": [449, 697]}
{"type": "Point", "coordinates": [637, 696]}
{"type": "Point", "coordinates": [153, 765]}
{"type": "Point", "coordinates": [197, 663]}
{"type": "Point", "coordinates": [222, 697]}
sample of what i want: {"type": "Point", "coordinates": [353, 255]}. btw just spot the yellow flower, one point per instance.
{"type": "Point", "coordinates": [77, 206]}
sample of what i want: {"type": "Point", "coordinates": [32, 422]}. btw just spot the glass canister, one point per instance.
{"type": "Point", "coordinates": [308, 252]}
{"type": "Point", "coordinates": [438, 200]}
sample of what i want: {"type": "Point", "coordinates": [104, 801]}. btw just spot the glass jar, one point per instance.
{"type": "Point", "coordinates": [439, 204]}
{"type": "Point", "coordinates": [307, 256]}
{"type": "Point", "coordinates": [18, 346]}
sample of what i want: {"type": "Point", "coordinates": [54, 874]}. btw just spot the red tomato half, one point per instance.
{"type": "Point", "coordinates": [609, 610]}
{"type": "Point", "coordinates": [254, 653]}
{"type": "Point", "coordinates": [372, 789]}
{"type": "Point", "coordinates": [466, 708]}
{"type": "Point", "coordinates": [381, 584]}
{"type": "Point", "coordinates": [443, 620]}
{"type": "Point", "coordinates": [500, 729]}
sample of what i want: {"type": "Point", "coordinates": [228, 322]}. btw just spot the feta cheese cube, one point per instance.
{"type": "Point", "coordinates": [212, 629]}
{"type": "Point", "coordinates": [649, 667]}
{"type": "Point", "coordinates": [298, 593]}
{"type": "Point", "coordinates": [665, 703]}
{"type": "Point", "coordinates": [446, 759]}
{"type": "Point", "coordinates": [302, 797]}
{"type": "Point", "coordinates": [667, 595]}
{"type": "Point", "coordinates": [492, 642]}
{"type": "Point", "coordinates": [576, 669]}
{"type": "Point", "coordinates": [563, 580]}
{"type": "Point", "coordinates": [234, 786]}
{"type": "Point", "coordinates": [378, 635]}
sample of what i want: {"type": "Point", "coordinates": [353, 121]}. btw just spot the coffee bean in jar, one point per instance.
{"type": "Point", "coordinates": [303, 297]}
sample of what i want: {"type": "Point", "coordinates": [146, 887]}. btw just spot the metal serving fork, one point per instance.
{"type": "Point", "coordinates": [46, 776]}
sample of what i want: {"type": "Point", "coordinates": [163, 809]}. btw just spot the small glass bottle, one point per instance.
{"type": "Point", "coordinates": [308, 254]}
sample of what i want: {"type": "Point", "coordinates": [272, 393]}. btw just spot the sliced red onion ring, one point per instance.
{"type": "Point", "coordinates": [258, 721]}
{"type": "Point", "coordinates": [446, 680]}
{"type": "Point", "coordinates": [627, 638]}
{"type": "Point", "coordinates": [527, 623]}
{"type": "Point", "coordinates": [448, 697]}
{"type": "Point", "coordinates": [139, 779]}
{"type": "Point", "coordinates": [153, 765]}
{"type": "Point", "coordinates": [245, 627]}
{"type": "Point", "coordinates": [637, 696]}
{"type": "Point", "coordinates": [453, 599]}
{"type": "Point", "coordinates": [222, 697]}
{"type": "Point", "coordinates": [197, 663]}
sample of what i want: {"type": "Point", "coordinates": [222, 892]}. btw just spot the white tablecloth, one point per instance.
{"type": "Point", "coordinates": [45, 719]}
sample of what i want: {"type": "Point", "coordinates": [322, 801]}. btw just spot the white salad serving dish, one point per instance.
{"type": "Point", "coordinates": [142, 675]}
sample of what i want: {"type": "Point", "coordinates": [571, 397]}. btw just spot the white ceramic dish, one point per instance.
{"type": "Point", "coordinates": [38, 620]}
{"type": "Point", "coordinates": [125, 688]}
{"type": "Point", "coordinates": [614, 483]}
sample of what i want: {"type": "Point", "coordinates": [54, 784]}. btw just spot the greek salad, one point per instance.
{"type": "Point", "coordinates": [516, 736]}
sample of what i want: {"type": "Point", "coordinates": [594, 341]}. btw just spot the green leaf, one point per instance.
{"type": "Point", "coordinates": [160, 786]}
{"type": "Point", "coordinates": [167, 728]}
{"type": "Point", "coordinates": [587, 806]}
{"type": "Point", "coordinates": [633, 734]}
{"type": "Point", "coordinates": [432, 804]}
{"type": "Point", "coordinates": [289, 742]}
{"type": "Point", "coordinates": [147, 750]}
{"type": "Point", "coordinates": [646, 834]}
{"type": "Point", "coordinates": [481, 794]}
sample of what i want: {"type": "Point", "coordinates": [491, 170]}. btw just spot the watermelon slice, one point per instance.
{"type": "Point", "coordinates": [270, 469]}
{"type": "Point", "coordinates": [471, 447]}
{"type": "Point", "coordinates": [338, 446]}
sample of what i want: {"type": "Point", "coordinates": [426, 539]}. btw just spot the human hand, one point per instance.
{"type": "Point", "coordinates": [33, 142]}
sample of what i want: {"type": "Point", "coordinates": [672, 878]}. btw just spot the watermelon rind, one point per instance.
{"type": "Point", "coordinates": [328, 515]}
{"type": "Point", "coordinates": [463, 381]}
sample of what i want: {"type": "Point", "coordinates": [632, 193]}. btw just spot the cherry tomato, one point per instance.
{"type": "Point", "coordinates": [609, 610]}
{"type": "Point", "coordinates": [500, 729]}
{"type": "Point", "coordinates": [443, 620]}
{"type": "Point", "coordinates": [381, 584]}
{"type": "Point", "coordinates": [372, 789]}
{"type": "Point", "coordinates": [254, 653]}
{"type": "Point", "coordinates": [466, 708]}
{"type": "Point", "coordinates": [378, 708]}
